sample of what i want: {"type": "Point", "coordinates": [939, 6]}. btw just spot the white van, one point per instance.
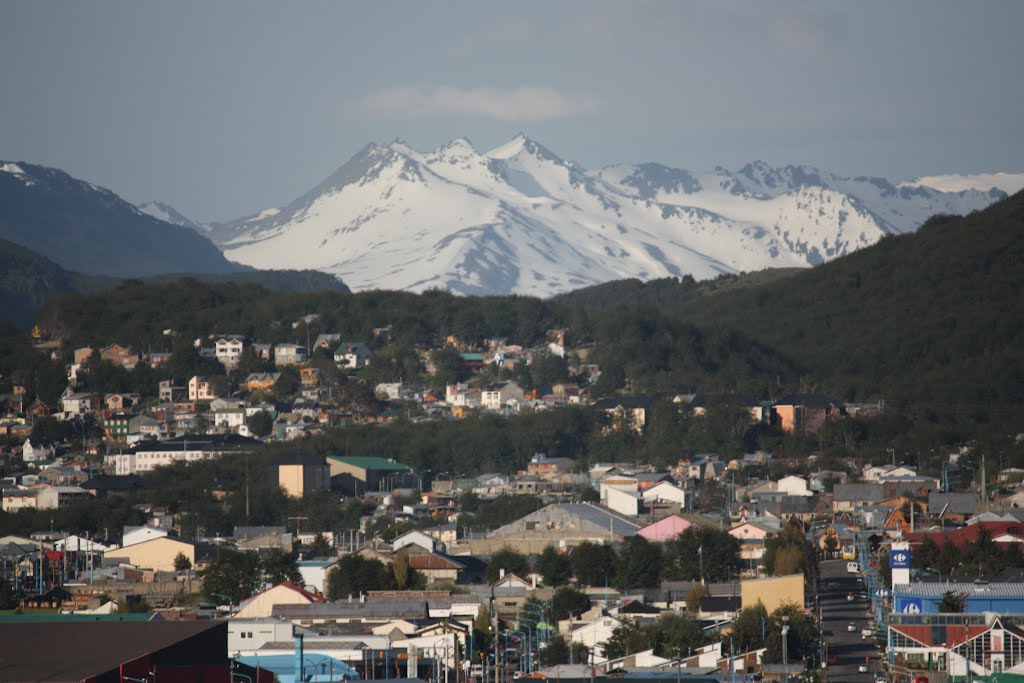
{"type": "Point", "coordinates": [852, 567]}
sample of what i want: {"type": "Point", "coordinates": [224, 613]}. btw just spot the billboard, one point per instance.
{"type": "Point", "coordinates": [899, 559]}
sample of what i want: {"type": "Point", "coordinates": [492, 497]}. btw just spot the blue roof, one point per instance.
{"type": "Point", "coordinates": [283, 666]}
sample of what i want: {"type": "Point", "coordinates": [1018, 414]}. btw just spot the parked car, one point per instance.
{"type": "Point", "coordinates": [867, 633]}
{"type": "Point", "coordinates": [863, 668]}
{"type": "Point", "coordinates": [851, 627]}
{"type": "Point", "coordinates": [849, 597]}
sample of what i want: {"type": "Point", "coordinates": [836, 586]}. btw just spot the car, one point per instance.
{"type": "Point", "coordinates": [849, 597]}
{"type": "Point", "coordinates": [880, 679]}
{"type": "Point", "coordinates": [863, 668]}
{"type": "Point", "coordinates": [851, 627]}
{"type": "Point", "coordinates": [867, 633]}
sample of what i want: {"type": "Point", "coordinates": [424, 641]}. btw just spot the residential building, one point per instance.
{"type": "Point", "coordinates": [200, 389]}
{"type": "Point", "coordinates": [55, 497]}
{"type": "Point", "coordinates": [262, 604]}
{"type": "Point", "coordinates": [262, 381]}
{"type": "Point", "coordinates": [37, 450]}
{"type": "Point", "coordinates": [289, 354]}
{"type": "Point", "coordinates": [228, 350]}
{"type": "Point", "coordinates": [352, 355]}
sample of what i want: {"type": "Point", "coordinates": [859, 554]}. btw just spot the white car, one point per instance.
{"type": "Point", "coordinates": [863, 668]}
{"type": "Point", "coordinates": [851, 627]}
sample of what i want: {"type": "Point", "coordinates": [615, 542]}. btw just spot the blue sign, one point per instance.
{"type": "Point", "coordinates": [899, 559]}
{"type": "Point", "coordinates": [911, 606]}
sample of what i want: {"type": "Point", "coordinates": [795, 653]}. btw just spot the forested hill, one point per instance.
{"type": "Point", "coordinates": [28, 279]}
{"type": "Point", "coordinates": [665, 294]}
{"type": "Point", "coordinates": [936, 316]}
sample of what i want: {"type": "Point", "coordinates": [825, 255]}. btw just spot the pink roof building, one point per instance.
{"type": "Point", "coordinates": [665, 529]}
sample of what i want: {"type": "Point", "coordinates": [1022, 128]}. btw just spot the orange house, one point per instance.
{"type": "Point", "coordinates": [262, 381]}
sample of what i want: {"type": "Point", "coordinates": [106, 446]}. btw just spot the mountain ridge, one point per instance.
{"type": "Point", "coordinates": [518, 219]}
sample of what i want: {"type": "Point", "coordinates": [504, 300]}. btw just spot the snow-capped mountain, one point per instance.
{"type": "Point", "coordinates": [168, 214]}
{"type": "Point", "coordinates": [519, 219]}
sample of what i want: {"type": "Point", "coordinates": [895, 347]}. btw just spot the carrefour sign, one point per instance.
{"type": "Point", "coordinates": [912, 606]}
{"type": "Point", "coordinates": [899, 559]}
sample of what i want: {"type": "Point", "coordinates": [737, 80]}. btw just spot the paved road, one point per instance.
{"type": "Point", "coordinates": [837, 614]}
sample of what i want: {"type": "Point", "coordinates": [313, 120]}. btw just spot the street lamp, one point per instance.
{"type": "Point", "coordinates": [785, 649]}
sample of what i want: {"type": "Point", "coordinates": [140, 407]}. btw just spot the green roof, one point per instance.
{"type": "Point", "coordinates": [368, 463]}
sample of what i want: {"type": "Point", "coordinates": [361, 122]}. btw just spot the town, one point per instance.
{"type": "Point", "coordinates": [216, 519]}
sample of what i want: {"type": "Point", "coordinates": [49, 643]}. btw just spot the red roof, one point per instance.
{"type": "Point", "coordinates": [312, 597]}
{"type": "Point", "coordinates": [952, 634]}
{"type": "Point", "coordinates": [968, 534]}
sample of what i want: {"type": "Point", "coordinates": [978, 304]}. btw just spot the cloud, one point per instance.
{"type": "Point", "coordinates": [525, 103]}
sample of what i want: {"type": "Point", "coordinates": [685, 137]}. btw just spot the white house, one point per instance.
{"type": "Point", "coordinates": [228, 350]}
{"type": "Point", "coordinates": [352, 355]}
{"type": "Point", "coordinates": [230, 418]}
{"type": "Point", "coordinates": [200, 389]}
{"type": "Point", "coordinates": [593, 635]}
{"type": "Point", "coordinates": [624, 502]}
{"type": "Point", "coordinates": [415, 537]}
{"type": "Point", "coordinates": [314, 572]}
{"type": "Point", "coordinates": [665, 492]}
{"type": "Point", "coordinates": [496, 396]}
{"type": "Point", "coordinates": [37, 451]}
{"type": "Point", "coordinates": [54, 497]}
{"type": "Point", "coordinates": [289, 354]}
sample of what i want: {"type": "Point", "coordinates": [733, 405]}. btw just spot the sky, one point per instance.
{"type": "Point", "coordinates": [225, 108]}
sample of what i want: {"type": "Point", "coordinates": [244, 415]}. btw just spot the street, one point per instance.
{"type": "Point", "coordinates": [848, 649]}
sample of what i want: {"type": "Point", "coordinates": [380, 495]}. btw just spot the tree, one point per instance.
{"type": "Point", "coordinates": [568, 602]}
{"type": "Point", "coordinates": [400, 568]}
{"type": "Point", "coordinates": [509, 560]}
{"type": "Point", "coordinates": [279, 566]}
{"type": "Point", "coordinates": [260, 423]}
{"type": "Point", "coordinates": [182, 563]}
{"type": "Point", "coordinates": [693, 598]}
{"type": "Point", "coordinates": [952, 603]}
{"type": "Point", "coordinates": [701, 548]}
{"type": "Point", "coordinates": [750, 628]}
{"type": "Point", "coordinates": [554, 567]}
{"type": "Point", "coordinates": [626, 638]}
{"type": "Point", "coordinates": [236, 575]}
{"type": "Point", "coordinates": [557, 651]}
{"type": "Point", "coordinates": [638, 564]}
{"type": "Point", "coordinates": [321, 547]}
{"type": "Point", "coordinates": [593, 564]}
{"type": "Point", "coordinates": [789, 552]}
{"type": "Point", "coordinates": [354, 575]}
{"type": "Point", "coordinates": [802, 634]}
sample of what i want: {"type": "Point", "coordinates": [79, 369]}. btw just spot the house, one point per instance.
{"type": "Point", "coordinates": [327, 341]}
{"type": "Point", "coordinates": [352, 355]}
{"type": "Point", "coordinates": [229, 418]}
{"type": "Point", "coordinates": [805, 413]}
{"type": "Point", "coordinates": [665, 492]}
{"type": "Point", "coordinates": [37, 451]}
{"type": "Point", "coordinates": [79, 403]}
{"type": "Point", "coordinates": [200, 389]}
{"type": "Point", "coordinates": [289, 354]}
{"type": "Point", "coordinates": [190, 448]}
{"type": "Point", "coordinates": [262, 604]}
{"type": "Point", "coordinates": [314, 572]}
{"type": "Point", "coordinates": [626, 412]}
{"type": "Point", "coordinates": [849, 497]}
{"type": "Point", "coordinates": [261, 381]}
{"type": "Point", "coordinates": [118, 403]}
{"type": "Point", "coordinates": [417, 538]}
{"type": "Point", "coordinates": [436, 567]}
{"type": "Point", "coordinates": [131, 535]}
{"type": "Point", "coordinates": [170, 393]}
{"type": "Point", "coordinates": [120, 355]}
{"type": "Point", "coordinates": [497, 396]}
{"type": "Point", "coordinates": [56, 497]}
{"type": "Point", "coordinates": [228, 350]}
{"type": "Point", "coordinates": [541, 465]}
{"type": "Point", "coordinates": [37, 409]}
{"type": "Point", "coordinates": [752, 537]}
{"type": "Point", "coordinates": [18, 499]}
{"type": "Point", "coordinates": [309, 377]}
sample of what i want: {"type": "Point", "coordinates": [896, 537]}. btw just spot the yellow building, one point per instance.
{"type": "Point", "coordinates": [303, 473]}
{"type": "Point", "coordinates": [773, 592]}
{"type": "Point", "coordinates": [156, 553]}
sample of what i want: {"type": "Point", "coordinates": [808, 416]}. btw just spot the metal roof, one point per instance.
{"type": "Point", "coordinates": [937, 590]}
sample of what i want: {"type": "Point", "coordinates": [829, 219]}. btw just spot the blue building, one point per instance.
{"type": "Point", "coordinates": [924, 598]}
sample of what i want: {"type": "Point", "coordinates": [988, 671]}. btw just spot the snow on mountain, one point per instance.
{"type": "Point", "coordinates": [169, 214]}
{"type": "Point", "coordinates": [1010, 183]}
{"type": "Point", "coordinates": [519, 219]}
